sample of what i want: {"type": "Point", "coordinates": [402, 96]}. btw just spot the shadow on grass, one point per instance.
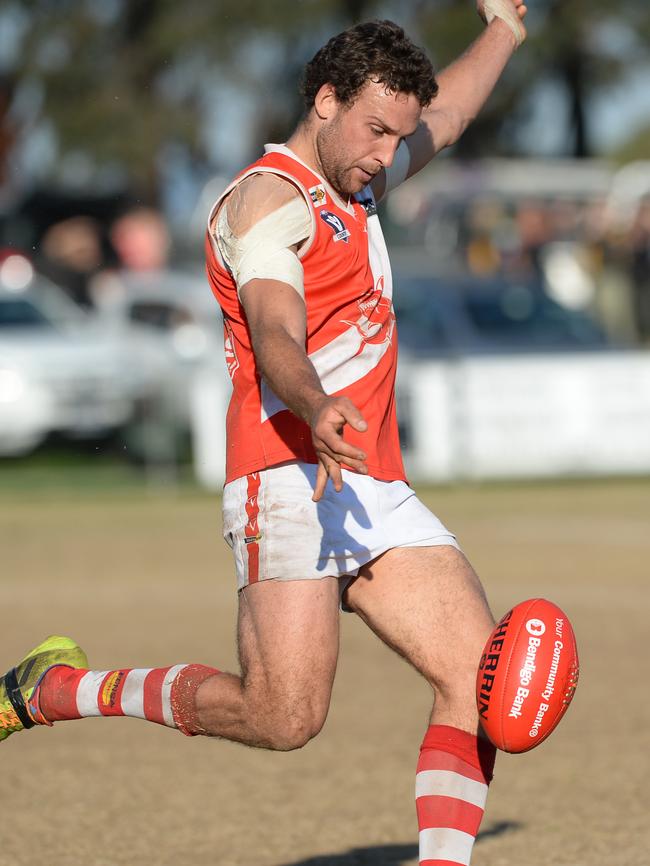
{"type": "Point", "coordinates": [392, 855]}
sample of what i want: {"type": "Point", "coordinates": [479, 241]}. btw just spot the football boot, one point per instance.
{"type": "Point", "coordinates": [18, 687]}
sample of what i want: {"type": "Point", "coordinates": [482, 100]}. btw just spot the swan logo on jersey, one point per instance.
{"type": "Point", "coordinates": [318, 195]}
{"type": "Point", "coordinates": [377, 320]}
{"type": "Point", "coordinates": [337, 225]}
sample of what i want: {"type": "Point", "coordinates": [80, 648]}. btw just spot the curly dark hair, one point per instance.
{"type": "Point", "coordinates": [373, 51]}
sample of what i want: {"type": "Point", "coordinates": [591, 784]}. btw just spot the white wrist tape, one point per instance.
{"type": "Point", "coordinates": [505, 10]}
{"type": "Point", "coordinates": [264, 252]}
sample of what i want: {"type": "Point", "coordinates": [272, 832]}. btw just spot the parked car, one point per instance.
{"type": "Point", "coordinates": [61, 370]}
{"type": "Point", "coordinates": [463, 322]}
{"type": "Point", "coordinates": [176, 312]}
{"type": "Point", "coordinates": [464, 315]}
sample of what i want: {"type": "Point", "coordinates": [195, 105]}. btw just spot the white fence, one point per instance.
{"type": "Point", "coordinates": [493, 417]}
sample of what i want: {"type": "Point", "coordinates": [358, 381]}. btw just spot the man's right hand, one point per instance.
{"type": "Point", "coordinates": [327, 424]}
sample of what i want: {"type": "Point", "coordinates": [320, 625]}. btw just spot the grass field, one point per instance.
{"type": "Point", "coordinates": [145, 581]}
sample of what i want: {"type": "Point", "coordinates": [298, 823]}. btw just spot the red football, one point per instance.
{"type": "Point", "coordinates": [527, 675]}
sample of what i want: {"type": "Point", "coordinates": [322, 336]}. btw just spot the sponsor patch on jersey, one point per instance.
{"type": "Point", "coordinates": [318, 195]}
{"type": "Point", "coordinates": [337, 225]}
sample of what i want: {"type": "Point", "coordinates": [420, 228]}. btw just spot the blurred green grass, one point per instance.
{"type": "Point", "coordinates": [96, 469]}
{"type": "Point", "coordinates": [90, 469]}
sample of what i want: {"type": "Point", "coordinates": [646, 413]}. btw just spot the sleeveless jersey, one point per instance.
{"type": "Point", "coordinates": [351, 336]}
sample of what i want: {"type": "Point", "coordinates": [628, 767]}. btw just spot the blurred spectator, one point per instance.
{"type": "Point", "coordinates": [70, 253]}
{"type": "Point", "coordinates": [614, 302]}
{"type": "Point", "coordinates": [142, 243]}
{"type": "Point", "coordinates": [533, 227]}
{"type": "Point", "coordinates": [485, 221]}
{"type": "Point", "coordinates": [141, 240]}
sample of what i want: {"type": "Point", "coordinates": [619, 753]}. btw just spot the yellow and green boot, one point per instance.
{"type": "Point", "coordinates": [19, 685]}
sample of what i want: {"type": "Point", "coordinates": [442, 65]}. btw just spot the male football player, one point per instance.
{"type": "Point", "coordinates": [316, 504]}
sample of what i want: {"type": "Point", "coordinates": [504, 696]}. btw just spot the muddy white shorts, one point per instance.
{"type": "Point", "coordinates": [277, 532]}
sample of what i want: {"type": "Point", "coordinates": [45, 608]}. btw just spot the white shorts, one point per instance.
{"type": "Point", "coordinates": [277, 532]}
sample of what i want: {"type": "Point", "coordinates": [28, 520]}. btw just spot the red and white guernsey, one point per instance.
{"type": "Point", "coordinates": [351, 334]}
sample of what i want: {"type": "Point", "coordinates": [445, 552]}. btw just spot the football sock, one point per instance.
{"type": "Point", "coordinates": [454, 771]}
{"type": "Point", "coordinates": [161, 695]}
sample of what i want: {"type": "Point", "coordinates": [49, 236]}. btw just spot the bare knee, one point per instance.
{"type": "Point", "coordinates": [291, 725]}
{"type": "Point", "coordinates": [284, 716]}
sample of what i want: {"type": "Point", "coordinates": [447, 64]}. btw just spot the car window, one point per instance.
{"type": "Point", "coordinates": [458, 314]}
{"type": "Point", "coordinates": [20, 313]}
{"type": "Point", "coordinates": [522, 315]}
{"type": "Point", "coordinates": [159, 315]}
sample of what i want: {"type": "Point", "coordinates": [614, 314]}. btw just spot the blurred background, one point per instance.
{"type": "Point", "coordinates": [521, 256]}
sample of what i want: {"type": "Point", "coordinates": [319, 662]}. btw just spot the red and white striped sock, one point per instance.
{"type": "Point", "coordinates": [161, 695]}
{"type": "Point", "coordinates": [454, 771]}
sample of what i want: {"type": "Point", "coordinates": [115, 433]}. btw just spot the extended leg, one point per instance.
{"type": "Point", "coordinates": [428, 605]}
{"type": "Point", "coordinates": [288, 644]}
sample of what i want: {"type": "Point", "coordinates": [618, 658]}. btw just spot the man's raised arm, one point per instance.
{"type": "Point", "coordinates": [465, 85]}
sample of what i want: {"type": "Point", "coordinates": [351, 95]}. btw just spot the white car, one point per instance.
{"type": "Point", "coordinates": [176, 312]}
{"type": "Point", "coordinates": [62, 371]}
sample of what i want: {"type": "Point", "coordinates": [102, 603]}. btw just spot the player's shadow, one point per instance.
{"type": "Point", "coordinates": [334, 509]}
{"type": "Point", "coordinates": [393, 855]}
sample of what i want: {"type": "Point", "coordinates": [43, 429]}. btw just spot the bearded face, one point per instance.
{"type": "Point", "coordinates": [355, 142]}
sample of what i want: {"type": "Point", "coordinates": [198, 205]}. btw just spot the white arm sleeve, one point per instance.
{"type": "Point", "coordinates": [267, 249]}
